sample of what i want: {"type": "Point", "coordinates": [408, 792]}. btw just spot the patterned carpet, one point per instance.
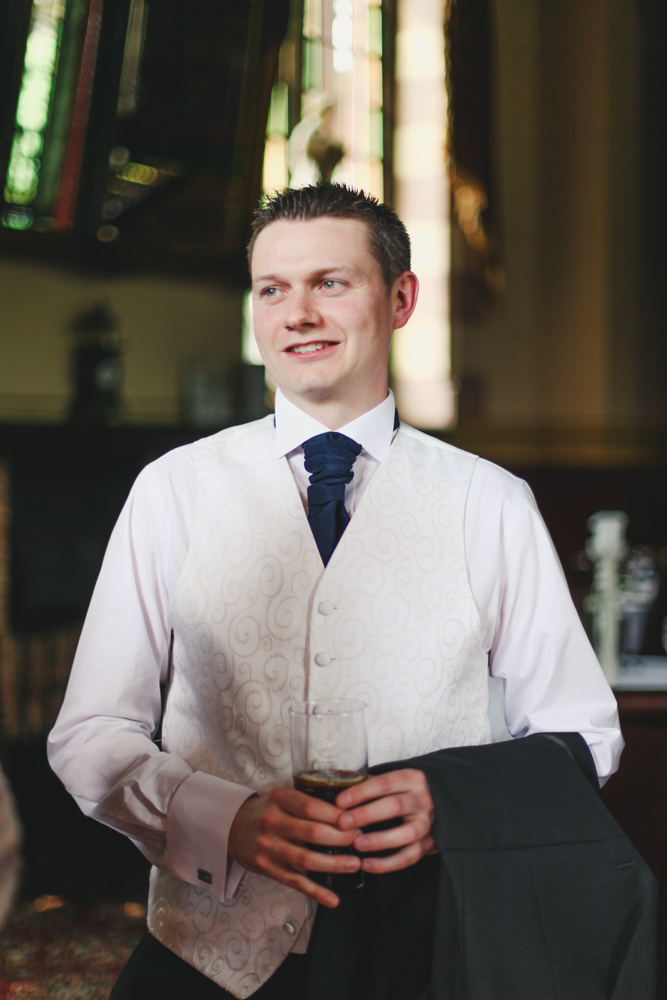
{"type": "Point", "coordinates": [54, 950]}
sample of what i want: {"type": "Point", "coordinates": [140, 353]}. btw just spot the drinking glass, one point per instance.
{"type": "Point", "coordinates": [329, 754]}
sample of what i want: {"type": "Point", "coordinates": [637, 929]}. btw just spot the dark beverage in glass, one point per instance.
{"type": "Point", "coordinates": [327, 785]}
{"type": "Point", "coordinates": [329, 754]}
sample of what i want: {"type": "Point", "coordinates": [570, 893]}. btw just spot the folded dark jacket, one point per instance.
{"type": "Point", "coordinates": [536, 893]}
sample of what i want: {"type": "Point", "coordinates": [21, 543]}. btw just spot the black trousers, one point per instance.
{"type": "Point", "coordinates": [153, 972]}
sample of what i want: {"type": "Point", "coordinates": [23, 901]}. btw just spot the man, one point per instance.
{"type": "Point", "coordinates": [418, 569]}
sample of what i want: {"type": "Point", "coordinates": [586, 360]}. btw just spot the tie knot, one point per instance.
{"type": "Point", "coordinates": [329, 458]}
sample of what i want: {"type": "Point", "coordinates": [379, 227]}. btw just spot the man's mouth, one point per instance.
{"type": "Point", "coordinates": [318, 345]}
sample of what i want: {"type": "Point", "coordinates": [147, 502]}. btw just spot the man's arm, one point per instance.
{"type": "Point", "coordinates": [101, 745]}
{"type": "Point", "coordinates": [537, 644]}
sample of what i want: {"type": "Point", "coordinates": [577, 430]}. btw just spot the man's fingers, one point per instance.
{"type": "Point", "coordinates": [299, 856]}
{"type": "Point", "coordinates": [402, 859]}
{"type": "Point", "coordinates": [388, 807]}
{"type": "Point", "coordinates": [318, 892]}
{"type": "Point", "coordinates": [405, 780]}
{"type": "Point", "coordinates": [277, 823]}
{"type": "Point", "coordinates": [304, 806]}
{"type": "Point", "coordinates": [398, 836]}
{"type": "Point", "coordinates": [321, 833]}
{"type": "Point", "coordinates": [295, 880]}
{"type": "Point", "coordinates": [271, 834]}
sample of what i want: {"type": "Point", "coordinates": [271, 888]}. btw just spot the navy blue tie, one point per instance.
{"type": "Point", "coordinates": [329, 459]}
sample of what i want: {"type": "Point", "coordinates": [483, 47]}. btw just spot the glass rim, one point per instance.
{"type": "Point", "coordinates": [306, 707]}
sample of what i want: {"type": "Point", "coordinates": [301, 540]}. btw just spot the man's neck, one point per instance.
{"type": "Point", "coordinates": [337, 413]}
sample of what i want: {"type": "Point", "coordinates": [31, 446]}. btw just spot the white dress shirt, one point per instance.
{"type": "Point", "coordinates": [531, 631]}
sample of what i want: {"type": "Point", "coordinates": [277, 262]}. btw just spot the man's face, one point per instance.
{"type": "Point", "coordinates": [323, 316]}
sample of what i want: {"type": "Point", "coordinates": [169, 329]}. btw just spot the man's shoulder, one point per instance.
{"type": "Point", "coordinates": [439, 447]}
{"type": "Point", "coordinates": [252, 443]}
{"type": "Point", "coordinates": [183, 460]}
{"type": "Point", "coordinates": [262, 428]}
{"type": "Point", "coordinates": [496, 486]}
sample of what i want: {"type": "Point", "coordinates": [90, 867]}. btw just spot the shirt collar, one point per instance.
{"type": "Point", "coordinates": [373, 430]}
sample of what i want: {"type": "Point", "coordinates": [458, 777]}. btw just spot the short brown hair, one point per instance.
{"type": "Point", "coordinates": [388, 238]}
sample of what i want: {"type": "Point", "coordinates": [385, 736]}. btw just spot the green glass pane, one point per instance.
{"type": "Point", "coordinates": [312, 64]}
{"type": "Point", "coordinates": [375, 31]}
{"type": "Point", "coordinates": [278, 120]}
{"type": "Point", "coordinates": [376, 134]}
{"type": "Point", "coordinates": [34, 100]}
{"type": "Point", "coordinates": [57, 130]}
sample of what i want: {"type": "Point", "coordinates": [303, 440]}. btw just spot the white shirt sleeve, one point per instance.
{"type": "Point", "coordinates": [101, 746]}
{"type": "Point", "coordinates": [530, 627]}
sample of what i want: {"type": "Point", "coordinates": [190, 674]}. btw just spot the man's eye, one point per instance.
{"type": "Point", "coordinates": [330, 283]}
{"type": "Point", "coordinates": [270, 291]}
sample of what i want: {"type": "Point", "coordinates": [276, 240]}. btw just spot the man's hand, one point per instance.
{"type": "Point", "coordinates": [267, 835]}
{"type": "Point", "coordinates": [396, 794]}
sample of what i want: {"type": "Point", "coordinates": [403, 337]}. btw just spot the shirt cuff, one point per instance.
{"type": "Point", "coordinates": [235, 873]}
{"type": "Point", "coordinates": [198, 823]}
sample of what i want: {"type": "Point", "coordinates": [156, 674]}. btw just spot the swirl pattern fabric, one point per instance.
{"type": "Point", "coordinates": [259, 623]}
{"type": "Point", "coordinates": [329, 458]}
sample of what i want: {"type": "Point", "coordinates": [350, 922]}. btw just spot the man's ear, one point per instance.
{"type": "Point", "coordinates": [404, 297]}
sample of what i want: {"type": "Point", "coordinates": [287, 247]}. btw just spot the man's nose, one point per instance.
{"type": "Point", "coordinates": [301, 312]}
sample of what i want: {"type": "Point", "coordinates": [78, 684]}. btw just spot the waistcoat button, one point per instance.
{"type": "Point", "coordinates": [326, 608]}
{"type": "Point", "coordinates": [322, 659]}
{"type": "Point", "coordinates": [289, 927]}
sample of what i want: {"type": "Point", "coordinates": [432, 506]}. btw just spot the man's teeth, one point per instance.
{"type": "Point", "coordinates": [307, 348]}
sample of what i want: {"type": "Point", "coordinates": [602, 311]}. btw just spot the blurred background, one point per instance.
{"type": "Point", "coordinates": [523, 142]}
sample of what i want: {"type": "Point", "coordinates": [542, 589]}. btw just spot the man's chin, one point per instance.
{"type": "Point", "coordinates": [318, 386]}
{"type": "Point", "coordinates": [313, 393]}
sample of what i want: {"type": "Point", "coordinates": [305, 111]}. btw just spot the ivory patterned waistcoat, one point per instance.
{"type": "Point", "coordinates": [259, 623]}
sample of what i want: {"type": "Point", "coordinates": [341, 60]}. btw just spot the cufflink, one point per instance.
{"type": "Point", "coordinates": [204, 876]}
